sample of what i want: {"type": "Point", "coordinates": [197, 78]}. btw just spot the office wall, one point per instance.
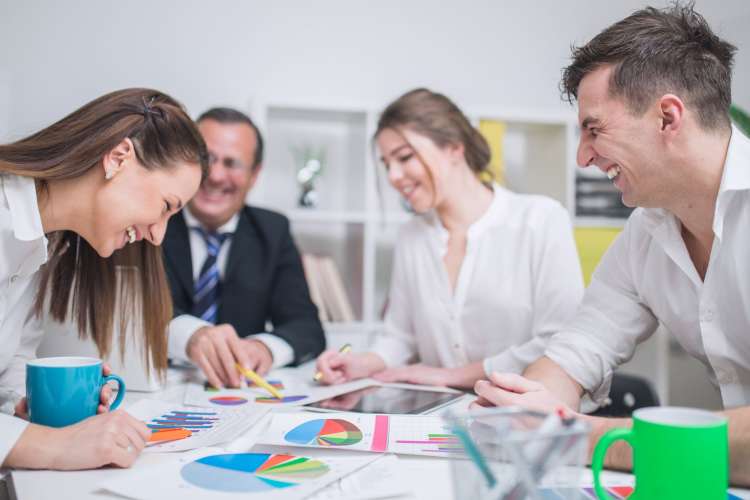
{"type": "Point", "coordinates": [56, 55]}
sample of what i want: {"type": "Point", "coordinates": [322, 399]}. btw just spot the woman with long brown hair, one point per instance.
{"type": "Point", "coordinates": [83, 205]}
{"type": "Point", "coordinates": [481, 277]}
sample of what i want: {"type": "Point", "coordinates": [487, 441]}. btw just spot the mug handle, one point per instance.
{"type": "Point", "coordinates": [120, 390]}
{"type": "Point", "coordinates": [600, 451]}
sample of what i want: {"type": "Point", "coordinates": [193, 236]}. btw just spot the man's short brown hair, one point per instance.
{"type": "Point", "coordinates": [658, 51]}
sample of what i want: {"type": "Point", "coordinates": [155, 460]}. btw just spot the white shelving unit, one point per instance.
{"type": "Point", "coordinates": [352, 222]}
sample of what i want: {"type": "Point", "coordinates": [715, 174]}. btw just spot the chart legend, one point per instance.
{"type": "Point", "coordinates": [437, 443]}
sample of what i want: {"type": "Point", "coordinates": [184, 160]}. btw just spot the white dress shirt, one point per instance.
{"type": "Point", "coordinates": [520, 281]}
{"type": "Point", "coordinates": [23, 249]}
{"type": "Point", "coordinates": [182, 327]}
{"type": "Point", "coordinates": [647, 278]}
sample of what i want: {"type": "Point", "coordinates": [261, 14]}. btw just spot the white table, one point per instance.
{"type": "Point", "coordinates": [430, 477]}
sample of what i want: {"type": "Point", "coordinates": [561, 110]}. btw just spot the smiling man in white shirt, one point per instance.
{"type": "Point", "coordinates": [653, 93]}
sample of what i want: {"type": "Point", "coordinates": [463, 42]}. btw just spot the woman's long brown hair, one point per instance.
{"type": "Point", "coordinates": [131, 283]}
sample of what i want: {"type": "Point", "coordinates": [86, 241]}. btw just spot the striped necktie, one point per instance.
{"type": "Point", "coordinates": [206, 289]}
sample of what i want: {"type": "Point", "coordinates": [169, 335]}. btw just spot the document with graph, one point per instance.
{"type": "Point", "coordinates": [401, 434]}
{"type": "Point", "coordinates": [179, 428]}
{"type": "Point", "coordinates": [265, 473]}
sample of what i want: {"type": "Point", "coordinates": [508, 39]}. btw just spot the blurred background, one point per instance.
{"type": "Point", "coordinates": [323, 69]}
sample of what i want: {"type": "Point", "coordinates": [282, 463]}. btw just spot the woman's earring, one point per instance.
{"type": "Point", "coordinates": [108, 174]}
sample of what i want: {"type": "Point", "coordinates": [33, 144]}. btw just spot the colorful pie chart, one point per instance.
{"type": "Point", "coordinates": [285, 399]}
{"type": "Point", "coordinates": [228, 400]}
{"type": "Point", "coordinates": [251, 472]}
{"type": "Point", "coordinates": [325, 432]}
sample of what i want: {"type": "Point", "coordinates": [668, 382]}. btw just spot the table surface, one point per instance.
{"type": "Point", "coordinates": [429, 478]}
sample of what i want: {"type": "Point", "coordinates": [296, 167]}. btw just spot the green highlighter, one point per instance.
{"type": "Point", "coordinates": [678, 453]}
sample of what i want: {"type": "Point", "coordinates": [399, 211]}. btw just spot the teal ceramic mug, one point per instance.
{"type": "Point", "coordinates": [62, 391]}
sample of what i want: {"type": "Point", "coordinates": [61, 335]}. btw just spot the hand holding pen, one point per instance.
{"type": "Point", "coordinates": [336, 367]}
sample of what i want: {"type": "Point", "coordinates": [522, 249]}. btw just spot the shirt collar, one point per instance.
{"type": "Point", "coordinates": [22, 202]}
{"type": "Point", "coordinates": [736, 175]}
{"type": "Point", "coordinates": [479, 226]}
{"type": "Point", "coordinates": [734, 178]}
{"type": "Point", "coordinates": [228, 227]}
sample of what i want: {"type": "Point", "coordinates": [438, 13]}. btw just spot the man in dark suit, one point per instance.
{"type": "Point", "coordinates": [234, 269]}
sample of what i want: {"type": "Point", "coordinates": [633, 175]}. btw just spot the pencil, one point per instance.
{"type": "Point", "coordinates": [344, 349]}
{"type": "Point", "coordinates": [259, 381]}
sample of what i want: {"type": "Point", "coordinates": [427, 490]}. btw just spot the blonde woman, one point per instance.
{"type": "Point", "coordinates": [481, 278]}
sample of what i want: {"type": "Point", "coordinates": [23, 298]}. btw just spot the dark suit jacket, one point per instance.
{"type": "Point", "coordinates": [263, 281]}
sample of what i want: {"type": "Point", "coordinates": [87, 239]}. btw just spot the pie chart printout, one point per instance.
{"type": "Point", "coordinates": [228, 400]}
{"type": "Point", "coordinates": [251, 472]}
{"type": "Point", "coordinates": [325, 432]}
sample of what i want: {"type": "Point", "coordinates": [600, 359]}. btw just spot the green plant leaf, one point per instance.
{"type": "Point", "coordinates": [740, 118]}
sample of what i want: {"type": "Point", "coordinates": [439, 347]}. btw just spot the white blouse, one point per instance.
{"type": "Point", "coordinates": [23, 249]}
{"type": "Point", "coordinates": [647, 278]}
{"type": "Point", "coordinates": [520, 282]}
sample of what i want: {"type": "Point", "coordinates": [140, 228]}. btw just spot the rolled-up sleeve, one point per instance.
{"type": "Point", "coordinates": [609, 324]}
{"type": "Point", "coordinates": [557, 285]}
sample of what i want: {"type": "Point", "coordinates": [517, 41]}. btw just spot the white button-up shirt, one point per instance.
{"type": "Point", "coordinates": [647, 278]}
{"type": "Point", "coordinates": [184, 326]}
{"type": "Point", "coordinates": [23, 249]}
{"type": "Point", "coordinates": [520, 281]}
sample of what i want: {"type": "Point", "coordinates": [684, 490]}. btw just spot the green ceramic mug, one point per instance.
{"type": "Point", "coordinates": [677, 453]}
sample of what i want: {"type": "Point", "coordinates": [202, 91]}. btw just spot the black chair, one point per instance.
{"type": "Point", "coordinates": [627, 394]}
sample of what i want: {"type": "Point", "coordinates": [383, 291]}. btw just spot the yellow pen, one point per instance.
{"type": "Point", "coordinates": [259, 381]}
{"type": "Point", "coordinates": [344, 349]}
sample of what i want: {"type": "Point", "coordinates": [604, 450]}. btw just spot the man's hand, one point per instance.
{"type": "Point", "coordinates": [217, 349]}
{"type": "Point", "coordinates": [510, 389]}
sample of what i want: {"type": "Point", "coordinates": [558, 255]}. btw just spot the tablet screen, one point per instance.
{"type": "Point", "coordinates": [393, 400]}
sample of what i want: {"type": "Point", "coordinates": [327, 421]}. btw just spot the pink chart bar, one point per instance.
{"type": "Point", "coordinates": [380, 436]}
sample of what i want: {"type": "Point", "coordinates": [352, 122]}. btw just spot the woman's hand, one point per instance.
{"type": "Point", "coordinates": [418, 374]}
{"type": "Point", "coordinates": [115, 438]}
{"type": "Point", "coordinates": [22, 409]}
{"type": "Point", "coordinates": [105, 397]}
{"type": "Point", "coordinates": [337, 367]}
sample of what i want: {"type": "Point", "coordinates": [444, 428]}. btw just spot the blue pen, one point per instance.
{"type": "Point", "coordinates": [474, 454]}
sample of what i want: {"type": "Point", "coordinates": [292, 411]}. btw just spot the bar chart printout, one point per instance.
{"type": "Point", "coordinates": [180, 428]}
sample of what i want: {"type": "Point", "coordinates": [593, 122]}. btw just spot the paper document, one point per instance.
{"type": "Point", "coordinates": [295, 392]}
{"type": "Point", "coordinates": [402, 434]}
{"type": "Point", "coordinates": [383, 478]}
{"type": "Point", "coordinates": [180, 428]}
{"type": "Point", "coordinates": [264, 473]}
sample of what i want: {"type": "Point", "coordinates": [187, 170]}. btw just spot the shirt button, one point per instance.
{"type": "Point", "coordinates": [457, 346]}
{"type": "Point", "coordinates": [725, 376]}
{"type": "Point", "coordinates": [707, 315]}
{"type": "Point", "coordinates": [14, 278]}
